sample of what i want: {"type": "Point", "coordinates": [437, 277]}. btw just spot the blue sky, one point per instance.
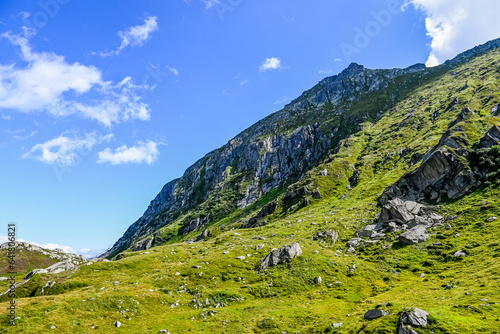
{"type": "Point", "coordinates": [102, 102]}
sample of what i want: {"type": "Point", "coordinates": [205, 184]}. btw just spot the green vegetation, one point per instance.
{"type": "Point", "coordinates": [389, 133]}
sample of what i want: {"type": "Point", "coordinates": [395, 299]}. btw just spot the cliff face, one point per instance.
{"type": "Point", "coordinates": [278, 150]}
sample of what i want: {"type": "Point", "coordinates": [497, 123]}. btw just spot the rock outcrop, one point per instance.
{"type": "Point", "coordinates": [280, 256]}
{"type": "Point", "coordinates": [399, 215]}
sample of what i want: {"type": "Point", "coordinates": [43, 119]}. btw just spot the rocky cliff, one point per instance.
{"type": "Point", "coordinates": [280, 149]}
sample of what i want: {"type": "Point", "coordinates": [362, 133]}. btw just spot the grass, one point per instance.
{"type": "Point", "coordinates": [160, 288]}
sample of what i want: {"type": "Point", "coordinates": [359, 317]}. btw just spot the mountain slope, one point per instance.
{"type": "Point", "coordinates": [418, 155]}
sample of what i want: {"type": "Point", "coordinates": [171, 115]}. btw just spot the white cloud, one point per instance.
{"type": "Point", "coordinates": [458, 25]}
{"type": "Point", "coordinates": [270, 64]}
{"type": "Point", "coordinates": [142, 152]}
{"type": "Point", "coordinates": [282, 100]}
{"type": "Point", "coordinates": [173, 70]}
{"type": "Point", "coordinates": [337, 60]}
{"type": "Point", "coordinates": [48, 83]}
{"type": "Point", "coordinates": [5, 117]}
{"type": "Point", "coordinates": [210, 3]}
{"type": "Point", "coordinates": [64, 150]}
{"type": "Point", "coordinates": [325, 71]}
{"type": "Point", "coordinates": [244, 82]}
{"type": "Point", "coordinates": [135, 36]}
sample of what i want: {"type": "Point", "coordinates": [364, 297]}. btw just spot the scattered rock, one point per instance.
{"type": "Point", "coordinates": [460, 253]}
{"type": "Point", "coordinates": [196, 267]}
{"type": "Point", "coordinates": [240, 257]}
{"type": "Point", "coordinates": [118, 324]}
{"type": "Point", "coordinates": [324, 172]}
{"type": "Point", "coordinates": [492, 218]}
{"type": "Point", "coordinates": [414, 235]}
{"type": "Point", "coordinates": [318, 280]}
{"type": "Point", "coordinates": [337, 324]}
{"type": "Point", "coordinates": [316, 194]}
{"type": "Point", "coordinates": [375, 313]}
{"type": "Point", "coordinates": [283, 255]}
{"type": "Point", "coordinates": [412, 317]}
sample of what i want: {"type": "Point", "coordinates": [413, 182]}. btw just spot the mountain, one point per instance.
{"type": "Point", "coordinates": [369, 204]}
{"type": "Point", "coordinates": [278, 150]}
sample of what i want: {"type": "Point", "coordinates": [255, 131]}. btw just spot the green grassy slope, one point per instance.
{"type": "Point", "coordinates": [159, 288]}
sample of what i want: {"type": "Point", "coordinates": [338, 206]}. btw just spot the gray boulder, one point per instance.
{"type": "Point", "coordinates": [414, 235]}
{"type": "Point", "coordinates": [375, 313]}
{"type": "Point", "coordinates": [412, 317]}
{"type": "Point", "coordinates": [279, 256]}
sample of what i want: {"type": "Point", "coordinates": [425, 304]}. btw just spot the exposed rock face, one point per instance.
{"type": "Point", "coordinates": [412, 317]}
{"type": "Point", "coordinates": [266, 210]}
{"type": "Point", "coordinates": [204, 235]}
{"type": "Point", "coordinates": [143, 244]}
{"type": "Point", "coordinates": [273, 152]}
{"type": "Point", "coordinates": [279, 256]}
{"type": "Point", "coordinates": [491, 138]}
{"type": "Point", "coordinates": [53, 269]}
{"type": "Point", "coordinates": [195, 224]}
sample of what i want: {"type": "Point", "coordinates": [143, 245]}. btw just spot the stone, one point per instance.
{"type": "Point", "coordinates": [240, 257]}
{"type": "Point", "coordinates": [337, 324]}
{"type": "Point", "coordinates": [324, 172]}
{"type": "Point", "coordinates": [196, 267]}
{"type": "Point", "coordinates": [144, 244]}
{"type": "Point", "coordinates": [414, 317]}
{"type": "Point", "coordinates": [460, 253]}
{"type": "Point", "coordinates": [492, 218]}
{"type": "Point", "coordinates": [35, 272]}
{"type": "Point", "coordinates": [259, 247]}
{"type": "Point", "coordinates": [316, 194]}
{"type": "Point", "coordinates": [118, 324]}
{"type": "Point", "coordinates": [375, 313]}
{"type": "Point", "coordinates": [280, 256]}
{"type": "Point", "coordinates": [318, 280]}
{"type": "Point", "coordinates": [164, 331]}
{"type": "Point", "coordinates": [414, 235]}
{"type": "Point", "coordinates": [206, 234]}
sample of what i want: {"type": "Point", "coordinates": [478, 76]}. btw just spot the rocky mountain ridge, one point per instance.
{"type": "Point", "coordinates": [280, 149]}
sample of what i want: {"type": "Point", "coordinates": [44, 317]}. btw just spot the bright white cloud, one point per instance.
{"type": "Point", "coordinates": [48, 83]}
{"type": "Point", "coordinates": [458, 25]}
{"type": "Point", "coordinates": [65, 151]}
{"type": "Point", "coordinates": [270, 64]}
{"type": "Point", "coordinates": [135, 36]}
{"type": "Point", "coordinates": [143, 152]}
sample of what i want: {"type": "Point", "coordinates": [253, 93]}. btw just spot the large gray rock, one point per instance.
{"type": "Point", "coordinates": [412, 317]}
{"type": "Point", "coordinates": [266, 210]}
{"type": "Point", "coordinates": [414, 235]}
{"type": "Point", "coordinates": [279, 256]}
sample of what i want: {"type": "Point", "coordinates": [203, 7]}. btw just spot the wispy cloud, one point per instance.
{"type": "Point", "coordinates": [457, 25]}
{"type": "Point", "coordinates": [270, 64]}
{"type": "Point", "coordinates": [282, 100]}
{"type": "Point", "coordinates": [143, 152]}
{"type": "Point", "coordinates": [244, 82]}
{"type": "Point", "coordinates": [46, 82]}
{"type": "Point", "coordinates": [325, 71]}
{"type": "Point", "coordinates": [135, 36]}
{"type": "Point", "coordinates": [64, 150]}
{"type": "Point", "coordinates": [210, 3]}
